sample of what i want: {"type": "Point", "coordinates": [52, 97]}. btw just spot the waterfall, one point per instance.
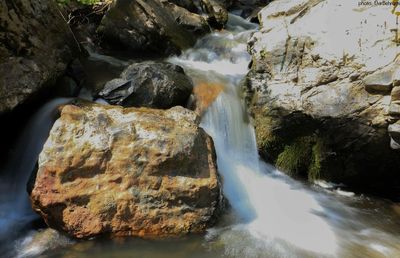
{"type": "Point", "coordinates": [271, 207]}
{"type": "Point", "coordinates": [271, 214]}
{"type": "Point", "coordinates": [15, 209]}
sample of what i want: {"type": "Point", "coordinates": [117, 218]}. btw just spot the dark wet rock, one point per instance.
{"type": "Point", "coordinates": [67, 87]}
{"type": "Point", "coordinates": [157, 26]}
{"type": "Point", "coordinates": [99, 69]}
{"type": "Point", "coordinates": [36, 46]}
{"type": "Point", "coordinates": [187, 4]}
{"type": "Point", "coordinates": [149, 84]}
{"type": "Point", "coordinates": [249, 9]}
{"type": "Point", "coordinates": [191, 22]}
{"type": "Point", "coordinates": [217, 12]}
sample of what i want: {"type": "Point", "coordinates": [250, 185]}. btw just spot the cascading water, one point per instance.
{"type": "Point", "coordinates": [273, 215]}
{"type": "Point", "coordinates": [268, 206]}
{"type": "Point", "coordinates": [15, 209]}
{"type": "Point", "coordinates": [277, 215]}
{"type": "Point", "coordinates": [272, 207]}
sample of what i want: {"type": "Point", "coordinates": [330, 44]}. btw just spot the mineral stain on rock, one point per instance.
{"type": "Point", "coordinates": [127, 172]}
{"type": "Point", "coordinates": [205, 94]}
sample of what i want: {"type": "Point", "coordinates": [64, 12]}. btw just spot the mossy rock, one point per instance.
{"type": "Point", "coordinates": [296, 157]}
{"type": "Point", "coordinates": [302, 157]}
{"type": "Point", "coordinates": [297, 152]}
{"type": "Point", "coordinates": [269, 144]}
{"type": "Point", "coordinates": [315, 166]}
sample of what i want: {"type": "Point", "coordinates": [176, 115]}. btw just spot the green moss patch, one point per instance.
{"type": "Point", "coordinates": [294, 148]}
{"type": "Point", "coordinates": [302, 157]}
{"type": "Point", "coordinates": [314, 168]}
{"type": "Point", "coordinates": [269, 144]}
{"type": "Point", "coordinates": [296, 157]}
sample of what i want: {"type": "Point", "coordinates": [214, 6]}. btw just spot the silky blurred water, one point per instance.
{"type": "Point", "coordinates": [270, 214]}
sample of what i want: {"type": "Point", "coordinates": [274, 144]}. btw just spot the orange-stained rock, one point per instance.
{"type": "Point", "coordinates": [205, 94]}
{"type": "Point", "coordinates": [106, 170]}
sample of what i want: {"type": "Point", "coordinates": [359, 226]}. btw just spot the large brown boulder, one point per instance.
{"type": "Point", "coordinates": [323, 93]}
{"type": "Point", "coordinates": [36, 46]}
{"type": "Point", "coordinates": [106, 170]}
{"type": "Point", "coordinates": [154, 26]}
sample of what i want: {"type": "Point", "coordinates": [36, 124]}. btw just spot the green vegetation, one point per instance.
{"type": "Point", "coordinates": [314, 169]}
{"type": "Point", "coordinates": [302, 157]}
{"type": "Point", "coordinates": [268, 143]}
{"type": "Point", "coordinates": [296, 157]}
{"type": "Point", "coordinates": [297, 154]}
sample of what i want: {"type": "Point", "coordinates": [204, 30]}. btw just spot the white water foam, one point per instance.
{"type": "Point", "coordinates": [270, 208]}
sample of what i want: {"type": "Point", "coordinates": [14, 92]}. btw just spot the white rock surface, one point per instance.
{"type": "Point", "coordinates": [323, 72]}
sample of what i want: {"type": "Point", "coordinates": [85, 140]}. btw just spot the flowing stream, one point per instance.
{"type": "Point", "coordinates": [279, 216]}
{"type": "Point", "coordinates": [15, 209]}
{"type": "Point", "coordinates": [271, 215]}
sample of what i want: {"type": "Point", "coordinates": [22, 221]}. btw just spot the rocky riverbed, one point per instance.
{"type": "Point", "coordinates": [146, 125]}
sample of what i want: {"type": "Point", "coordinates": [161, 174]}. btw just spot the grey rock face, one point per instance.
{"type": "Point", "coordinates": [36, 46]}
{"type": "Point", "coordinates": [380, 81]}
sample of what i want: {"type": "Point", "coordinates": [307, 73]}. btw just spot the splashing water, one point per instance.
{"type": "Point", "coordinates": [270, 207]}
